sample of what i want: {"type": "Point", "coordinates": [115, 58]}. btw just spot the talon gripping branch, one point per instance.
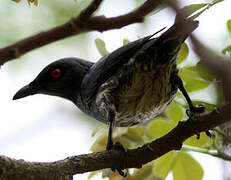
{"type": "Point", "coordinates": [131, 85]}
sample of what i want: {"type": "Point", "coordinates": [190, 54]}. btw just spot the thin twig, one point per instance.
{"type": "Point", "coordinates": [214, 153]}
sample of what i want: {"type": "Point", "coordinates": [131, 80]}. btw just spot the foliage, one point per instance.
{"type": "Point", "coordinates": [227, 49]}
{"type": "Point", "coordinates": [100, 44]}
{"type": "Point", "coordinates": [182, 165]}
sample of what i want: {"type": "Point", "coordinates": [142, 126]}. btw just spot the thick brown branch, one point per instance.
{"type": "Point", "coordinates": [80, 24]}
{"type": "Point", "coordinates": [134, 158]}
{"type": "Point", "coordinates": [86, 13]}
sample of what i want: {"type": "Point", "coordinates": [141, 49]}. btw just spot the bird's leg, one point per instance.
{"type": "Point", "coordinates": [192, 108]}
{"type": "Point", "coordinates": [110, 145]}
{"type": "Point", "coordinates": [111, 125]}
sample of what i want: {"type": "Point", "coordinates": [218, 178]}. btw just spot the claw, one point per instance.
{"type": "Point", "coordinates": [199, 109]}
{"type": "Point", "coordinates": [191, 113]}
{"type": "Point", "coordinates": [198, 136]}
{"type": "Point", "coordinates": [208, 133]}
{"type": "Point", "coordinates": [121, 172]}
{"type": "Point", "coordinates": [119, 147]}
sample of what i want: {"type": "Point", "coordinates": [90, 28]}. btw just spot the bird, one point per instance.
{"type": "Point", "coordinates": [131, 85]}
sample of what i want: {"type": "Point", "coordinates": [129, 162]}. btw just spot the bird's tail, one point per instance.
{"type": "Point", "coordinates": [171, 40]}
{"type": "Point", "coordinates": [181, 30]}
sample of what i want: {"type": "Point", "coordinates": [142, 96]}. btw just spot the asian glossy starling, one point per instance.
{"type": "Point", "coordinates": [131, 85]}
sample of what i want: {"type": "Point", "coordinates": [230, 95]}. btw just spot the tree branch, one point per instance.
{"type": "Point", "coordinates": [86, 13]}
{"type": "Point", "coordinates": [133, 158]}
{"type": "Point", "coordinates": [83, 23]}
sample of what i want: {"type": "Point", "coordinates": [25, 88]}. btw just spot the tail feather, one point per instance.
{"type": "Point", "coordinates": [178, 30]}
{"type": "Point", "coordinates": [172, 39]}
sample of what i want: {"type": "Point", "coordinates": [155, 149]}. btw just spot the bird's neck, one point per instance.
{"type": "Point", "coordinates": [77, 100]}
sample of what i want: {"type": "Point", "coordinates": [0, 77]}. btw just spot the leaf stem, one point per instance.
{"type": "Point", "coordinates": [215, 153]}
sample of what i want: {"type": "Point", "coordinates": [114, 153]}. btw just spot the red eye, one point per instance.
{"type": "Point", "coordinates": [56, 73]}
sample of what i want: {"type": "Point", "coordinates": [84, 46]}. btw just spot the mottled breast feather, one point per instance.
{"type": "Point", "coordinates": [137, 92]}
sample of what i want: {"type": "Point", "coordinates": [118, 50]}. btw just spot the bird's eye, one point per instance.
{"type": "Point", "coordinates": [56, 73]}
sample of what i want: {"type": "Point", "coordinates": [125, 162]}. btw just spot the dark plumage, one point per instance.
{"type": "Point", "coordinates": [129, 86]}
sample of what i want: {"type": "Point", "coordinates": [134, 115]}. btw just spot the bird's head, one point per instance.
{"type": "Point", "coordinates": [61, 78]}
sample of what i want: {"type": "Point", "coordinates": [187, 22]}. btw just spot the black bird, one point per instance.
{"type": "Point", "coordinates": [131, 85]}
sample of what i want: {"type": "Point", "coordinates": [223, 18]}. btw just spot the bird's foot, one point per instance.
{"type": "Point", "coordinates": [193, 113]}
{"type": "Point", "coordinates": [206, 132]}
{"type": "Point", "coordinates": [119, 147]}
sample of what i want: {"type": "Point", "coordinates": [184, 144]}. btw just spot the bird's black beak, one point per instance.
{"type": "Point", "coordinates": [25, 91]}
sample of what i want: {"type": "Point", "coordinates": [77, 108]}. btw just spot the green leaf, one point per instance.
{"type": "Point", "coordinates": [143, 173]}
{"type": "Point", "coordinates": [97, 129]}
{"type": "Point", "coordinates": [204, 72]}
{"type": "Point", "coordinates": [217, 141]}
{"type": "Point", "coordinates": [135, 134]}
{"type": "Point", "coordinates": [125, 142]}
{"type": "Point", "coordinates": [16, 1]}
{"type": "Point", "coordinates": [126, 41]}
{"type": "Point", "coordinates": [183, 54]}
{"type": "Point", "coordinates": [187, 168]}
{"type": "Point", "coordinates": [208, 106]}
{"type": "Point", "coordinates": [193, 8]}
{"type": "Point", "coordinates": [100, 44]}
{"type": "Point", "coordinates": [204, 141]}
{"type": "Point", "coordinates": [216, 1]}
{"type": "Point", "coordinates": [35, 2]}
{"type": "Point", "coordinates": [100, 143]}
{"type": "Point", "coordinates": [159, 127]}
{"type": "Point", "coordinates": [228, 24]}
{"type": "Point", "coordinates": [175, 112]}
{"type": "Point", "coordinates": [92, 174]}
{"type": "Point", "coordinates": [164, 164]}
{"type": "Point", "coordinates": [196, 85]}
{"type": "Point", "coordinates": [188, 73]}
{"type": "Point", "coordinates": [227, 51]}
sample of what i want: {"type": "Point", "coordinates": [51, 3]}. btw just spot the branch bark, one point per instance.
{"type": "Point", "coordinates": [83, 23]}
{"type": "Point", "coordinates": [133, 158]}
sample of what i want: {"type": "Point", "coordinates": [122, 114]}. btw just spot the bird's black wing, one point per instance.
{"type": "Point", "coordinates": [170, 42]}
{"type": "Point", "coordinates": [107, 66]}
